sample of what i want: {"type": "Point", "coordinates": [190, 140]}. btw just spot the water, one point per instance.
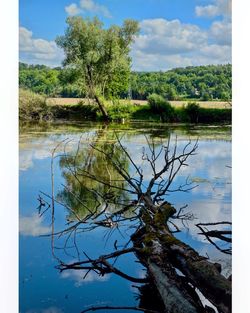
{"type": "Point", "coordinates": [43, 288]}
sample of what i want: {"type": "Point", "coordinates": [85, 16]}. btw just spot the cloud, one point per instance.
{"type": "Point", "coordinates": [78, 275]}
{"type": "Point", "coordinates": [221, 32]}
{"type": "Point", "coordinates": [93, 7]}
{"type": "Point", "coordinates": [41, 147]}
{"type": "Point", "coordinates": [160, 36]}
{"type": "Point", "coordinates": [73, 9]}
{"type": "Point", "coordinates": [32, 226]}
{"type": "Point", "coordinates": [88, 6]}
{"type": "Point", "coordinates": [164, 44]}
{"type": "Point", "coordinates": [219, 8]}
{"type": "Point", "coordinates": [38, 51]}
{"type": "Point", "coordinates": [217, 53]}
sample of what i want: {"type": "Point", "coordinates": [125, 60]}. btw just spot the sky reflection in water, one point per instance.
{"type": "Point", "coordinates": [42, 288]}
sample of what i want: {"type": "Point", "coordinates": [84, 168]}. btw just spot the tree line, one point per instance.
{"type": "Point", "coordinates": [194, 82]}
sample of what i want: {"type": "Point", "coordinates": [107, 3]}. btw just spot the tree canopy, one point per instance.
{"type": "Point", "coordinates": [199, 82]}
{"type": "Point", "coordinates": [98, 56]}
{"type": "Point", "coordinates": [196, 82]}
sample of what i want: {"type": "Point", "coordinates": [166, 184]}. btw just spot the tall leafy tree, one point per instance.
{"type": "Point", "coordinates": [100, 57]}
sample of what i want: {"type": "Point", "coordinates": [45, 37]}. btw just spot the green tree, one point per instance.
{"type": "Point", "coordinates": [99, 56]}
{"type": "Point", "coordinates": [101, 169]}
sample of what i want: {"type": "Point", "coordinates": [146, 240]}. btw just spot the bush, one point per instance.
{"type": "Point", "coordinates": [80, 111]}
{"type": "Point", "coordinates": [215, 115]}
{"type": "Point", "coordinates": [192, 110]}
{"type": "Point", "coordinates": [33, 106]}
{"type": "Point", "coordinates": [119, 111]}
{"type": "Point", "coordinates": [160, 106]}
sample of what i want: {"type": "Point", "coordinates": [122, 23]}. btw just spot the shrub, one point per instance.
{"type": "Point", "coordinates": [80, 111]}
{"type": "Point", "coordinates": [215, 115]}
{"type": "Point", "coordinates": [119, 111]}
{"type": "Point", "coordinates": [192, 110]}
{"type": "Point", "coordinates": [33, 106]}
{"type": "Point", "coordinates": [160, 106]}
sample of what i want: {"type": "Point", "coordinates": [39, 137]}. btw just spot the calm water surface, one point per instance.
{"type": "Point", "coordinates": [43, 289]}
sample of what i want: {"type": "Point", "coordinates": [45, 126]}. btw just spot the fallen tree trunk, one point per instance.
{"type": "Point", "coordinates": [161, 253]}
{"type": "Point", "coordinates": [175, 269]}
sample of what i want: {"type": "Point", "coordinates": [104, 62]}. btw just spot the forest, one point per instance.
{"type": "Point", "coordinates": [204, 83]}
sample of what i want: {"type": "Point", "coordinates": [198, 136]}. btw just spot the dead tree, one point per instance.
{"type": "Point", "coordinates": [224, 235]}
{"type": "Point", "coordinates": [176, 269]}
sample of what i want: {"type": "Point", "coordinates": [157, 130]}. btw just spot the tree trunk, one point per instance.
{"type": "Point", "coordinates": [101, 107]}
{"type": "Point", "coordinates": [93, 93]}
{"type": "Point", "coordinates": [161, 253]}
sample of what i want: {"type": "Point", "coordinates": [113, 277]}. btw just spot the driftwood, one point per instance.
{"type": "Point", "coordinates": [162, 253]}
{"type": "Point", "coordinates": [176, 270]}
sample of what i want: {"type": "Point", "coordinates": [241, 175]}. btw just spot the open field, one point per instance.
{"type": "Point", "coordinates": [203, 104]}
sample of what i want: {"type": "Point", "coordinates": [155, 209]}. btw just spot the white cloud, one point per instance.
{"type": "Point", "coordinates": [161, 36]}
{"type": "Point", "coordinates": [78, 275]}
{"type": "Point", "coordinates": [221, 32]}
{"type": "Point", "coordinates": [88, 6]}
{"type": "Point", "coordinates": [153, 62]}
{"type": "Point", "coordinates": [32, 226]}
{"type": "Point", "coordinates": [209, 10]}
{"type": "Point", "coordinates": [219, 8]}
{"type": "Point", "coordinates": [38, 51]}
{"type": "Point", "coordinates": [165, 44]}
{"type": "Point", "coordinates": [217, 53]}
{"type": "Point", "coordinates": [41, 147]}
{"type": "Point", "coordinates": [73, 9]}
{"type": "Point", "coordinates": [93, 7]}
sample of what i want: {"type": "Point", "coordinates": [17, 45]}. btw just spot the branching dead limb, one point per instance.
{"type": "Point", "coordinates": [153, 242]}
{"type": "Point", "coordinates": [217, 234]}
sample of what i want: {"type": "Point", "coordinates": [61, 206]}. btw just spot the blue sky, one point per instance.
{"type": "Point", "coordinates": [173, 33]}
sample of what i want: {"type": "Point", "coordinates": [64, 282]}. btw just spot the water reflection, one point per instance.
{"type": "Point", "coordinates": [47, 310]}
{"type": "Point", "coordinates": [84, 171]}
{"type": "Point", "coordinates": [211, 201]}
{"type": "Point", "coordinates": [32, 226]}
{"type": "Point", "coordinates": [79, 277]}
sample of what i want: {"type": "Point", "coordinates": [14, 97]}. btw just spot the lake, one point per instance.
{"type": "Point", "coordinates": [43, 288]}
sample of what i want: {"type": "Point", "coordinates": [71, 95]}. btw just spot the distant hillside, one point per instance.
{"type": "Point", "coordinates": [196, 82]}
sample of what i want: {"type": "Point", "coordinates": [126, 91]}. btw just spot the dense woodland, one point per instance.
{"type": "Point", "coordinates": [210, 82]}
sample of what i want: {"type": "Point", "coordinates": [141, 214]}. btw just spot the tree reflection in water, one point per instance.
{"type": "Point", "coordinates": [100, 191]}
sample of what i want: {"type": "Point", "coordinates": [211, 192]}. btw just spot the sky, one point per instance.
{"type": "Point", "coordinates": [172, 34]}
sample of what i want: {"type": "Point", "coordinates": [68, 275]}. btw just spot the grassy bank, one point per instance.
{"type": "Point", "coordinates": [156, 109]}
{"type": "Point", "coordinates": [215, 104]}
{"type": "Point", "coordinates": [119, 112]}
{"type": "Point", "coordinates": [33, 106]}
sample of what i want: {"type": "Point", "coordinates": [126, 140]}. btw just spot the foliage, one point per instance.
{"type": "Point", "coordinates": [119, 111]}
{"type": "Point", "coordinates": [207, 116]}
{"type": "Point", "coordinates": [70, 85]}
{"type": "Point", "coordinates": [80, 111]}
{"type": "Point", "coordinates": [88, 157]}
{"type": "Point", "coordinates": [33, 106]}
{"type": "Point", "coordinates": [98, 56]}
{"type": "Point", "coordinates": [160, 106]}
{"type": "Point", "coordinates": [192, 110]}
{"type": "Point", "coordinates": [193, 82]}
{"type": "Point", "coordinates": [200, 82]}
{"type": "Point", "coordinates": [39, 78]}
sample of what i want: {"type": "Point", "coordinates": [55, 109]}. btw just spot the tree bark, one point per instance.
{"type": "Point", "coordinates": [93, 92]}
{"type": "Point", "coordinates": [102, 108]}
{"type": "Point", "coordinates": [161, 253]}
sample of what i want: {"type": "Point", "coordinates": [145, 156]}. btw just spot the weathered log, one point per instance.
{"type": "Point", "coordinates": [162, 253]}
{"type": "Point", "coordinates": [175, 295]}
